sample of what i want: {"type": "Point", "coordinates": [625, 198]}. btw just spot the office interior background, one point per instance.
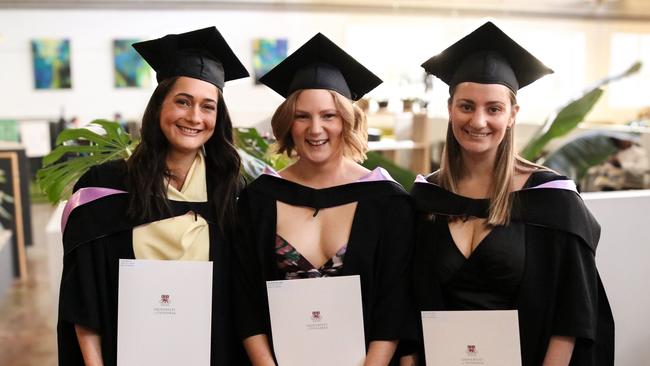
{"type": "Point", "coordinates": [583, 41]}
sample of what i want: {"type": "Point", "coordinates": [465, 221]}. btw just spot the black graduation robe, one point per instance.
{"type": "Point", "coordinates": [379, 251]}
{"type": "Point", "coordinates": [96, 236]}
{"type": "Point", "coordinates": [560, 292]}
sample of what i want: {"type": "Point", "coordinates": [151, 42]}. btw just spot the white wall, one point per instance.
{"type": "Point", "coordinates": [622, 259]}
{"type": "Point", "coordinates": [392, 45]}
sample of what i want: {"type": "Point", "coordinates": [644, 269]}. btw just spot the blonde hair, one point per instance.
{"type": "Point", "coordinates": [507, 162]}
{"type": "Point", "coordinates": [355, 131]}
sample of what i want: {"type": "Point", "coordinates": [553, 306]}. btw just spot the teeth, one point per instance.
{"type": "Point", "coordinates": [188, 130]}
{"type": "Point", "coordinates": [316, 142]}
{"type": "Point", "coordinates": [474, 134]}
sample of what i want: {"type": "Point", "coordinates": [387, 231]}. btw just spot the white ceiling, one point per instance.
{"type": "Point", "coordinates": [611, 9]}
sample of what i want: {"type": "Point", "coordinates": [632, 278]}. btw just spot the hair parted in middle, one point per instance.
{"type": "Point", "coordinates": [147, 168]}
{"type": "Point", "coordinates": [355, 131]}
{"type": "Point", "coordinates": [507, 162]}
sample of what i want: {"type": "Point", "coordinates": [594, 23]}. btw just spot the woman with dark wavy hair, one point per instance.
{"type": "Point", "coordinates": [173, 199]}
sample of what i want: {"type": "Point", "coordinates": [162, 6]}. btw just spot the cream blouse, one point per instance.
{"type": "Point", "coordinates": [184, 237]}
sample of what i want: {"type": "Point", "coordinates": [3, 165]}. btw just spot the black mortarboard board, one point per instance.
{"type": "Point", "coordinates": [201, 54]}
{"type": "Point", "coordinates": [321, 64]}
{"type": "Point", "coordinates": [486, 56]}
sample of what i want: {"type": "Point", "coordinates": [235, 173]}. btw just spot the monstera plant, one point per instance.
{"type": "Point", "coordinates": [79, 149]}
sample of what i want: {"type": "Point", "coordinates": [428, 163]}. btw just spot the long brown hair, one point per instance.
{"type": "Point", "coordinates": [507, 162]}
{"type": "Point", "coordinates": [147, 169]}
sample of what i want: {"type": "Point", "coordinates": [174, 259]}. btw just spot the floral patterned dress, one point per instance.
{"type": "Point", "coordinates": [295, 266]}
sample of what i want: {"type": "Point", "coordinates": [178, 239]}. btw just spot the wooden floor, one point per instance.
{"type": "Point", "coordinates": [27, 315]}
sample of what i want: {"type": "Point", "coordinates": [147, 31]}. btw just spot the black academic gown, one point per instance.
{"type": "Point", "coordinates": [96, 236]}
{"type": "Point", "coordinates": [379, 251]}
{"type": "Point", "coordinates": [560, 292]}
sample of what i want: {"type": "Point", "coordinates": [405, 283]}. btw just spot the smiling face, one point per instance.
{"type": "Point", "coordinates": [317, 127]}
{"type": "Point", "coordinates": [480, 115]}
{"type": "Point", "coordinates": [188, 115]}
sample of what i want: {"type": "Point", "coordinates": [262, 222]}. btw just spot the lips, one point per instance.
{"type": "Point", "coordinates": [188, 130]}
{"type": "Point", "coordinates": [316, 142]}
{"type": "Point", "coordinates": [477, 134]}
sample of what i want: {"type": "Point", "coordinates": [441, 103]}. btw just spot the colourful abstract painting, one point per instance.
{"type": "Point", "coordinates": [131, 71]}
{"type": "Point", "coordinates": [266, 54]}
{"type": "Point", "coordinates": [51, 63]}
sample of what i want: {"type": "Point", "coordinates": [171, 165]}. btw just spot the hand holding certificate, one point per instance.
{"type": "Point", "coordinates": [164, 312]}
{"type": "Point", "coordinates": [317, 321]}
{"type": "Point", "coordinates": [487, 338]}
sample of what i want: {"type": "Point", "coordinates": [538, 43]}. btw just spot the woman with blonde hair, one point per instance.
{"type": "Point", "coordinates": [496, 232]}
{"type": "Point", "coordinates": [325, 215]}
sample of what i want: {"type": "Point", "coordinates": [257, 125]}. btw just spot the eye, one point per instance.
{"type": "Point", "coordinates": [210, 107]}
{"type": "Point", "coordinates": [301, 116]}
{"type": "Point", "coordinates": [183, 102]}
{"type": "Point", "coordinates": [494, 109]}
{"type": "Point", "coordinates": [465, 107]}
{"type": "Point", "coordinates": [329, 116]}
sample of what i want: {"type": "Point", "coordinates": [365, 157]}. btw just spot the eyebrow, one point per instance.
{"type": "Point", "coordinates": [473, 102]}
{"type": "Point", "coordinates": [332, 110]}
{"type": "Point", "coordinates": [192, 97]}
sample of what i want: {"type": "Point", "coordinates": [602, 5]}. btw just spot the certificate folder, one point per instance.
{"type": "Point", "coordinates": [486, 338]}
{"type": "Point", "coordinates": [164, 313]}
{"type": "Point", "coordinates": [317, 321]}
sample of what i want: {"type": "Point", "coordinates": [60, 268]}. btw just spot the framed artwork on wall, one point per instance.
{"type": "Point", "coordinates": [130, 70]}
{"type": "Point", "coordinates": [51, 59]}
{"type": "Point", "coordinates": [266, 54]}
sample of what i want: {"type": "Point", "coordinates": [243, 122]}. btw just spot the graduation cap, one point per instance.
{"type": "Point", "coordinates": [201, 54]}
{"type": "Point", "coordinates": [321, 64]}
{"type": "Point", "coordinates": [486, 56]}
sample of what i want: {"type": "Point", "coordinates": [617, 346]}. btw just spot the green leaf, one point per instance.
{"type": "Point", "coordinates": [587, 149]}
{"type": "Point", "coordinates": [249, 141]}
{"type": "Point", "coordinates": [561, 124]}
{"type": "Point", "coordinates": [566, 118]}
{"type": "Point", "coordinates": [402, 176]}
{"type": "Point", "coordinates": [84, 148]}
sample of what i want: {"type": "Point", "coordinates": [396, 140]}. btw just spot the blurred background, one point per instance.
{"type": "Point", "coordinates": [65, 63]}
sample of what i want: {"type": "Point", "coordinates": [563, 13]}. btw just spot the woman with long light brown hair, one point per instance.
{"type": "Point", "coordinates": [497, 232]}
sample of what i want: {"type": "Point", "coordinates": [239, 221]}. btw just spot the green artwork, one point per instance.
{"type": "Point", "coordinates": [9, 130]}
{"type": "Point", "coordinates": [130, 70]}
{"type": "Point", "coordinates": [51, 58]}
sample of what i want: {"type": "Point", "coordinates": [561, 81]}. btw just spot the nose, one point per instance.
{"type": "Point", "coordinates": [478, 120]}
{"type": "Point", "coordinates": [316, 126]}
{"type": "Point", "coordinates": [194, 114]}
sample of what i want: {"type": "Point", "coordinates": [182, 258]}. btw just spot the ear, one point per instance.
{"type": "Point", "coordinates": [513, 115]}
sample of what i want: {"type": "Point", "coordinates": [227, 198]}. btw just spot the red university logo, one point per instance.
{"type": "Point", "coordinates": [164, 299]}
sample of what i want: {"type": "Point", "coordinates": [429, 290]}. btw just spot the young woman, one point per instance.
{"type": "Point", "coordinates": [173, 199]}
{"type": "Point", "coordinates": [496, 232]}
{"type": "Point", "coordinates": [325, 215]}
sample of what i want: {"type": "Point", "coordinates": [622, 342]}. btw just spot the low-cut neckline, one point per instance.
{"type": "Point", "coordinates": [329, 260]}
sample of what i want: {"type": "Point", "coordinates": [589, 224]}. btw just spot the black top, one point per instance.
{"type": "Point", "coordinates": [378, 250]}
{"type": "Point", "coordinates": [321, 64]}
{"type": "Point", "coordinates": [97, 235]}
{"type": "Point", "coordinates": [486, 56]}
{"type": "Point", "coordinates": [200, 54]}
{"type": "Point", "coordinates": [553, 239]}
{"type": "Point", "coordinates": [487, 280]}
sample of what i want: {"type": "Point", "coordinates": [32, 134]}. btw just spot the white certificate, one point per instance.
{"type": "Point", "coordinates": [487, 338]}
{"type": "Point", "coordinates": [317, 321]}
{"type": "Point", "coordinates": [164, 312]}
